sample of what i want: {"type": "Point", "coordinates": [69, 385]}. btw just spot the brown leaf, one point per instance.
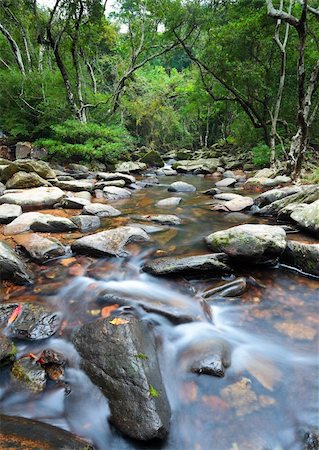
{"type": "Point", "coordinates": [106, 311]}
{"type": "Point", "coordinates": [118, 321]}
{"type": "Point", "coordinates": [67, 261]}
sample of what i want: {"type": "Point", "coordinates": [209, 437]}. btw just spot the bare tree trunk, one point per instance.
{"type": "Point", "coordinates": [207, 127]}
{"type": "Point", "coordinates": [14, 47]}
{"type": "Point", "coordinates": [92, 75]}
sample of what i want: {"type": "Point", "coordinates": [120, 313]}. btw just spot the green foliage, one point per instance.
{"type": "Point", "coordinates": [153, 391]}
{"type": "Point", "coordinates": [261, 154]}
{"type": "Point", "coordinates": [312, 178]}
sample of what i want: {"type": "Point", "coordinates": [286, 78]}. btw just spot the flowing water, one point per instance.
{"type": "Point", "coordinates": [272, 333]}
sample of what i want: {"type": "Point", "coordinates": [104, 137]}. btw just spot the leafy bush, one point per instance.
{"type": "Point", "coordinates": [261, 154]}
{"type": "Point", "coordinates": [74, 141]}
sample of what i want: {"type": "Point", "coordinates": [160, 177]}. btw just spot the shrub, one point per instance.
{"type": "Point", "coordinates": [261, 154]}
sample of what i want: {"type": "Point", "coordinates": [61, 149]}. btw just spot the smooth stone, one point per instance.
{"type": "Point", "coordinates": [213, 192]}
{"type": "Point", "coordinates": [101, 210]}
{"type": "Point", "coordinates": [103, 184]}
{"type": "Point", "coordinates": [229, 174]}
{"type": "Point", "coordinates": [181, 186]}
{"type": "Point", "coordinates": [124, 365]}
{"type": "Point", "coordinates": [166, 171]}
{"type": "Point", "coordinates": [28, 434]}
{"type": "Point", "coordinates": [202, 165]}
{"type": "Point", "coordinates": [40, 248]}
{"type": "Point", "coordinates": [27, 374]}
{"type": "Point", "coordinates": [277, 181]}
{"type": "Point", "coordinates": [25, 180]}
{"type": "Point", "coordinates": [211, 358]}
{"type": "Point", "coordinates": [86, 223]}
{"type": "Point", "coordinates": [230, 289]}
{"type": "Point", "coordinates": [2, 188]}
{"type": "Point", "coordinates": [308, 217]}
{"type": "Point", "coordinates": [130, 166]}
{"type": "Point", "coordinates": [226, 182]}
{"type": "Point", "coordinates": [227, 196]}
{"type": "Point", "coordinates": [9, 212]}
{"type": "Point", "coordinates": [165, 219]}
{"type": "Point", "coordinates": [150, 228]}
{"type": "Point", "coordinates": [116, 176]}
{"type": "Point", "coordinates": [28, 165]}
{"type": "Point", "coordinates": [116, 193]}
{"type": "Point", "coordinates": [188, 264]}
{"type": "Point", "coordinates": [78, 168]}
{"type": "Point", "coordinates": [110, 242]}
{"type": "Point", "coordinates": [83, 194]}
{"type": "Point", "coordinates": [235, 205]}
{"type": "Point", "coordinates": [167, 202]}
{"type": "Point", "coordinates": [74, 202]}
{"type": "Point", "coordinates": [304, 257]}
{"type": "Point", "coordinates": [39, 222]}
{"type": "Point", "coordinates": [41, 197]}
{"type": "Point", "coordinates": [76, 185]}
{"type": "Point", "coordinates": [7, 350]}
{"type": "Point", "coordinates": [33, 323]}
{"type": "Point", "coordinates": [256, 243]}
{"type": "Point", "coordinates": [12, 267]}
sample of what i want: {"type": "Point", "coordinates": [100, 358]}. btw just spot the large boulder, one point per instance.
{"type": "Point", "coordinates": [28, 375]}
{"type": "Point", "coordinates": [304, 257]}
{"type": "Point", "coordinates": [275, 194]}
{"type": "Point", "coordinates": [9, 212]}
{"type": "Point", "coordinates": [181, 186]}
{"type": "Point", "coordinates": [12, 267]}
{"type": "Point", "coordinates": [152, 159]}
{"type": "Point", "coordinates": [36, 221]}
{"type": "Point", "coordinates": [25, 180]}
{"type": "Point", "coordinates": [255, 243]}
{"type": "Point", "coordinates": [130, 166]}
{"type": "Point", "coordinates": [308, 217]}
{"type": "Point", "coordinates": [212, 263]}
{"type": "Point", "coordinates": [23, 150]}
{"type": "Point", "coordinates": [110, 242]}
{"type": "Point", "coordinates": [41, 197]}
{"type": "Point", "coordinates": [40, 248]}
{"type": "Point", "coordinates": [27, 165]}
{"type": "Point", "coordinates": [203, 165]}
{"type": "Point", "coordinates": [120, 357]}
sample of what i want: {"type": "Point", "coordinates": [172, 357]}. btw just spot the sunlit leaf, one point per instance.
{"type": "Point", "coordinates": [106, 311]}
{"type": "Point", "coordinates": [118, 321]}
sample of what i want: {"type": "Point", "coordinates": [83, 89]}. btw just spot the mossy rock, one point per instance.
{"type": "Point", "coordinates": [7, 350]}
{"type": "Point", "coordinates": [29, 374]}
{"type": "Point", "coordinates": [153, 158]}
{"type": "Point", "coordinates": [183, 154]}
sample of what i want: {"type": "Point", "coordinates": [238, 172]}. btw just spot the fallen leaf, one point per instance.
{"type": "Point", "coordinates": [16, 312]}
{"type": "Point", "coordinates": [106, 311]}
{"type": "Point", "coordinates": [118, 321]}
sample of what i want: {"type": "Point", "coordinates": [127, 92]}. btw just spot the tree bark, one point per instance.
{"type": "Point", "coordinates": [14, 47]}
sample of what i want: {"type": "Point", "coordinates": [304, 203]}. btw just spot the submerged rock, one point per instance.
{"type": "Point", "coordinates": [230, 289]}
{"type": "Point", "coordinates": [308, 217]}
{"type": "Point", "coordinates": [28, 374]}
{"type": "Point", "coordinates": [212, 358]}
{"type": "Point", "coordinates": [9, 212]}
{"type": "Point", "coordinates": [181, 186]}
{"type": "Point", "coordinates": [110, 242]}
{"type": "Point", "coordinates": [7, 350]}
{"type": "Point", "coordinates": [39, 222]}
{"type": "Point", "coordinates": [41, 197]}
{"type": "Point", "coordinates": [28, 434]}
{"type": "Point", "coordinates": [124, 365]}
{"type": "Point", "coordinates": [40, 248]}
{"type": "Point", "coordinates": [101, 210]}
{"type": "Point", "coordinates": [304, 257]}
{"type": "Point", "coordinates": [188, 264]}
{"type": "Point", "coordinates": [12, 267]}
{"type": "Point", "coordinates": [255, 243]}
{"type": "Point", "coordinates": [33, 321]}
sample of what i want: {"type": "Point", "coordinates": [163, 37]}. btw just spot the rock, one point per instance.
{"type": "Point", "coordinates": [28, 165]}
{"type": "Point", "coordinates": [241, 397]}
{"type": "Point", "coordinates": [227, 196]}
{"type": "Point", "coordinates": [33, 322]}
{"type": "Point", "coordinates": [39, 248]}
{"type": "Point", "coordinates": [181, 186]}
{"type": "Point", "coordinates": [5, 152]}
{"type": "Point", "coordinates": [304, 257]}
{"type": "Point", "coordinates": [28, 374]}
{"type": "Point", "coordinates": [7, 350]}
{"type": "Point", "coordinates": [116, 176]}
{"type": "Point", "coordinates": [9, 212]}
{"type": "Point", "coordinates": [229, 174]}
{"type": "Point", "coordinates": [23, 150]}
{"type": "Point", "coordinates": [115, 193]}
{"type": "Point", "coordinates": [101, 210]}
{"type": "Point", "coordinates": [250, 242]}
{"type": "Point", "coordinates": [39, 153]}
{"type": "Point", "coordinates": [226, 182]}
{"type": "Point", "coordinates": [125, 367]}
{"type": "Point", "coordinates": [110, 242]}
{"type": "Point", "coordinates": [212, 358]}
{"type": "Point", "coordinates": [75, 186]}
{"type": "Point", "coordinates": [130, 166]}
{"type": "Point", "coordinates": [275, 194]}
{"type": "Point", "coordinates": [213, 191]}
{"type": "Point", "coordinates": [264, 173]}
{"type": "Point", "coordinates": [203, 165]}
{"type": "Point", "coordinates": [41, 197]}
{"type": "Point", "coordinates": [169, 202]}
{"type": "Point", "coordinates": [39, 222]}
{"type": "Point", "coordinates": [78, 168]}
{"type": "Point", "coordinates": [235, 205]}
{"type": "Point", "coordinates": [214, 263]}
{"type": "Point", "coordinates": [86, 223]}
{"type": "Point", "coordinates": [164, 219]}
{"type": "Point", "coordinates": [308, 217]}
{"type": "Point", "coordinates": [277, 181]}
{"type": "Point", "coordinates": [83, 194]}
{"type": "Point", "coordinates": [103, 184]}
{"type": "Point", "coordinates": [166, 171]}
{"type": "Point", "coordinates": [12, 267]}
{"type": "Point", "coordinates": [74, 202]}
{"type": "Point", "coordinates": [2, 188]}
{"type": "Point", "coordinates": [152, 159]}
{"type": "Point", "coordinates": [311, 441]}
{"type": "Point", "coordinates": [27, 434]}
{"type": "Point", "coordinates": [230, 289]}
{"type": "Point", "coordinates": [150, 228]}
{"type": "Point", "coordinates": [25, 180]}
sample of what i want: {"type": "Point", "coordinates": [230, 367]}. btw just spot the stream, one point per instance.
{"type": "Point", "coordinates": [268, 398]}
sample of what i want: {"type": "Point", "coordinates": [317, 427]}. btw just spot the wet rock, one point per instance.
{"type": "Point", "coordinates": [24, 180]}
{"type": "Point", "coordinates": [12, 267]}
{"type": "Point", "coordinates": [9, 212]}
{"type": "Point", "coordinates": [226, 182]}
{"type": "Point", "coordinates": [181, 186]}
{"type": "Point", "coordinates": [149, 181]}
{"type": "Point", "coordinates": [39, 222]}
{"type": "Point", "coordinates": [229, 174]}
{"type": "Point", "coordinates": [241, 397]}
{"type": "Point", "coordinates": [189, 264]}
{"type": "Point", "coordinates": [168, 202]}
{"type": "Point", "coordinates": [74, 202]}
{"type": "Point", "coordinates": [53, 363]}
{"type": "Point", "coordinates": [110, 242]}
{"type": "Point", "coordinates": [276, 194]}
{"type": "Point", "coordinates": [23, 150]}
{"type": "Point", "coordinates": [2, 188]}
{"type": "Point", "coordinates": [41, 197]}
{"type": "Point", "coordinates": [166, 171]}
{"type": "Point", "coordinates": [116, 176]}
{"type": "Point", "coordinates": [250, 242]}
{"type": "Point", "coordinates": [27, 434]}
{"type": "Point", "coordinates": [230, 289]}
{"type": "Point", "coordinates": [165, 219]}
{"type": "Point", "coordinates": [212, 191]}
{"type": "Point", "coordinates": [308, 217]}
{"type": "Point", "coordinates": [150, 228]}
{"type": "Point", "coordinates": [86, 223]}
{"type": "Point", "coordinates": [227, 196]}
{"type": "Point", "coordinates": [213, 358]}
{"type": "Point", "coordinates": [125, 367]}
{"type": "Point", "coordinates": [101, 210]}
{"type": "Point", "coordinates": [75, 186]}
{"type": "Point", "coordinates": [40, 248]}
{"type": "Point", "coordinates": [116, 193]}
{"type": "Point", "coordinates": [311, 441]}
{"type": "Point", "coordinates": [28, 374]}
{"type": "Point", "coordinates": [7, 350]}
{"type": "Point", "coordinates": [304, 257]}
{"type": "Point", "coordinates": [130, 166]}
{"type": "Point", "coordinates": [27, 165]}
{"type": "Point", "coordinates": [235, 205]}
{"type": "Point", "coordinates": [33, 322]}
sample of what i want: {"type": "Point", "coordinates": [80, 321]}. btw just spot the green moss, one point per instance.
{"type": "Point", "coordinates": [153, 391]}
{"type": "Point", "coordinates": [141, 356]}
{"type": "Point", "coordinates": [153, 158]}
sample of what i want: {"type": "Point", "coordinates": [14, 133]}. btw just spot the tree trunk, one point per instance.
{"type": "Point", "coordinates": [14, 47]}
